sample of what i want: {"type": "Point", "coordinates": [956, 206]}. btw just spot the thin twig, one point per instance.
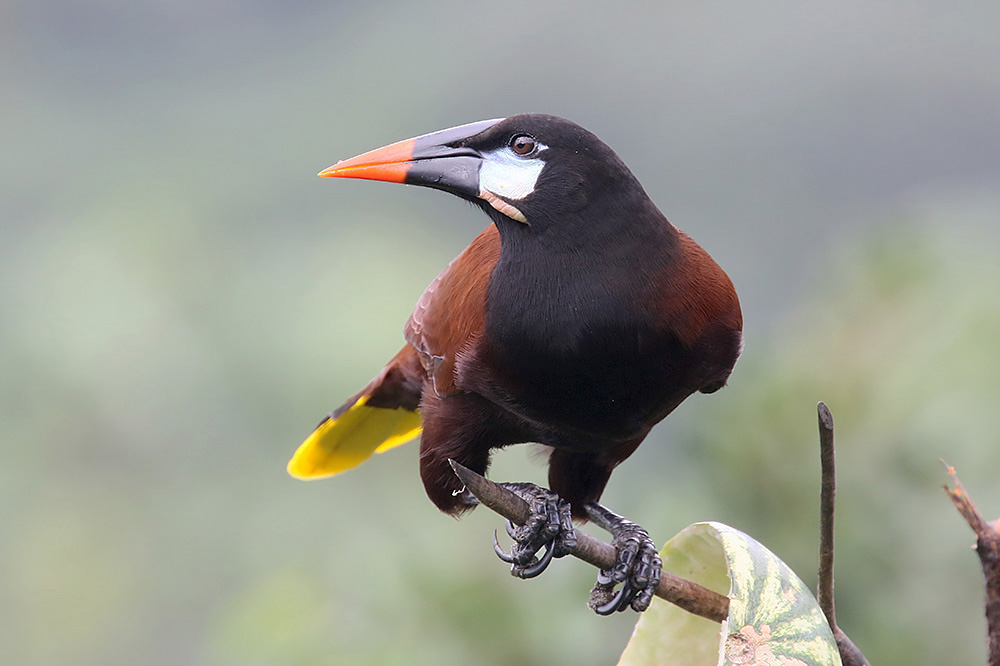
{"type": "Point", "coordinates": [690, 596]}
{"type": "Point", "coordinates": [828, 491]}
{"type": "Point", "coordinates": [988, 548]}
{"type": "Point", "coordinates": [850, 655]}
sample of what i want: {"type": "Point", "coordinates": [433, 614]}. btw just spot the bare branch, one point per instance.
{"type": "Point", "coordinates": [988, 548]}
{"type": "Point", "coordinates": [850, 655]}
{"type": "Point", "coordinates": [828, 491]}
{"type": "Point", "coordinates": [690, 596]}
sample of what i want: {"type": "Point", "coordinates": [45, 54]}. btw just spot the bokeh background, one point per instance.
{"type": "Point", "coordinates": [181, 300]}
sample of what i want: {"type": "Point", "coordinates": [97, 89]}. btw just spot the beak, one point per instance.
{"type": "Point", "coordinates": [439, 160]}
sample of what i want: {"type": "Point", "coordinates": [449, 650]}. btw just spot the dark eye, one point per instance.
{"type": "Point", "coordinates": [522, 144]}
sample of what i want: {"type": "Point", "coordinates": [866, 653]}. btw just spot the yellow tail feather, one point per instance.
{"type": "Point", "coordinates": [350, 439]}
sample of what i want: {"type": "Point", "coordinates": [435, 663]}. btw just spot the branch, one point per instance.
{"type": "Point", "coordinates": [828, 491]}
{"type": "Point", "coordinates": [988, 547]}
{"type": "Point", "coordinates": [850, 655]}
{"type": "Point", "coordinates": [683, 593]}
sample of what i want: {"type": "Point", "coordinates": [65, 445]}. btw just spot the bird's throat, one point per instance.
{"type": "Point", "coordinates": [502, 206]}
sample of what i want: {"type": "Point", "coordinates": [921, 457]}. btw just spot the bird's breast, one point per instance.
{"type": "Point", "coordinates": [604, 344]}
{"type": "Point", "coordinates": [576, 356]}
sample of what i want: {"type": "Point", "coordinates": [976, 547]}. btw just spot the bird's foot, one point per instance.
{"type": "Point", "coordinates": [550, 526]}
{"type": "Point", "coordinates": [637, 565]}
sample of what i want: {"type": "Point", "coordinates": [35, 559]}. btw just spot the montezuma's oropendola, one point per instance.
{"type": "Point", "coordinates": [578, 319]}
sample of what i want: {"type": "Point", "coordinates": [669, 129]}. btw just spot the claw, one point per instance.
{"type": "Point", "coordinates": [633, 592]}
{"type": "Point", "coordinates": [506, 557]}
{"type": "Point", "coordinates": [511, 530]}
{"type": "Point", "coordinates": [643, 599]}
{"type": "Point", "coordinates": [531, 570]}
{"type": "Point", "coordinates": [615, 604]}
{"type": "Point", "coordinates": [539, 566]}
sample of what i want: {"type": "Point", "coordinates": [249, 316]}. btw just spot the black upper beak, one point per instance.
{"type": "Point", "coordinates": [441, 160]}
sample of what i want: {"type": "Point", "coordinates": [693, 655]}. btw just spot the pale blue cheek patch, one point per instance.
{"type": "Point", "coordinates": [505, 174]}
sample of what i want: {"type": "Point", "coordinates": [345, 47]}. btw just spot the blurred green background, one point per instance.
{"type": "Point", "coordinates": [181, 300]}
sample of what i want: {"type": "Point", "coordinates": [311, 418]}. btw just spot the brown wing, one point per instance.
{"type": "Point", "coordinates": [699, 293]}
{"type": "Point", "coordinates": [451, 313]}
{"type": "Point", "coordinates": [702, 309]}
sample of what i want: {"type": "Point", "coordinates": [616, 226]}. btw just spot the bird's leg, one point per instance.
{"type": "Point", "coordinates": [550, 526]}
{"type": "Point", "coordinates": [637, 565]}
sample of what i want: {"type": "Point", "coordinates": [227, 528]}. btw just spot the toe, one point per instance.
{"type": "Point", "coordinates": [549, 527]}
{"type": "Point", "coordinates": [538, 567]}
{"type": "Point", "coordinates": [636, 568]}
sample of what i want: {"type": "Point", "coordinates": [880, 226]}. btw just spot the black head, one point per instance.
{"type": "Point", "coordinates": [548, 169]}
{"type": "Point", "coordinates": [534, 169]}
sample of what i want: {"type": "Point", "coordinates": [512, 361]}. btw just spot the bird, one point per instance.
{"type": "Point", "coordinates": [578, 319]}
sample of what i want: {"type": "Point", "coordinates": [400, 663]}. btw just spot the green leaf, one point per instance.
{"type": "Point", "coordinates": [773, 617]}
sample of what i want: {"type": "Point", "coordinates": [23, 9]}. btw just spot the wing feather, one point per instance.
{"type": "Point", "coordinates": [451, 313]}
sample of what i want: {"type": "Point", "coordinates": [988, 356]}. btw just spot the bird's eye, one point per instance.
{"type": "Point", "coordinates": [522, 144]}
